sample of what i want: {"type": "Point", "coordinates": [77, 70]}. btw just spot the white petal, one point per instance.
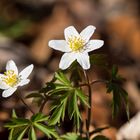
{"type": "Point", "coordinates": [11, 66]}
{"type": "Point", "coordinates": [83, 60]}
{"type": "Point", "coordinates": [60, 45]}
{"type": "Point", "coordinates": [23, 82]}
{"type": "Point", "coordinates": [8, 92]}
{"type": "Point", "coordinates": [66, 60]}
{"type": "Point", "coordinates": [69, 32]}
{"type": "Point", "coordinates": [94, 44]}
{"type": "Point", "coordinates": [26, 72]}
{"type": "Point", "coordinates": [87, 33]}
{"type": "Point", "coordinates": [3, 85]}
{"type": "Point", "coordinates": [2, 76]}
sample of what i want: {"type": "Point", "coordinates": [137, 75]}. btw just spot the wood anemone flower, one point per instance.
{"type": "Point", "coordinates": [11, 79]}
{"type": "Point", "coordinates": [76, 46]}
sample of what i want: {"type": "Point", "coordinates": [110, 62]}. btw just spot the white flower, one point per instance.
{"type": "Point", "coordinates": [10, 80]}
{"type": "Point", "coordinates": [76, 46]}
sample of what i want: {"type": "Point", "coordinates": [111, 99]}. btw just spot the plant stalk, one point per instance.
{"type": "Point", "coordinates": [90, 103]}
{"type": "Point", "coordinates": [25, 104]}
{"type": "Point", "coordinates": [42, 106]}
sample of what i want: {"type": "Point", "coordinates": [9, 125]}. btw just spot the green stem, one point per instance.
{"type": "Point", "coordinates": [25, 104]}
{"type": "Point", "coordinates": [90, 103]}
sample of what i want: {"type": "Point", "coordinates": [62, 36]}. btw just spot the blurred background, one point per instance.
{"type": "Point", "coordinates": [26, 26]}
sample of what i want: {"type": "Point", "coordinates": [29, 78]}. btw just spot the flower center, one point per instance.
{"type": "Point", "coordinates": [11, 78]}
{"type": "Point", "coordinates": [76, 43]}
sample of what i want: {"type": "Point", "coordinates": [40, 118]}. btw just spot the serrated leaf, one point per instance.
{"type": "Point", "coordinates": [17, 133]}
{"type": "Point", "coordinates": [82, 97]}
{"type": "Point", "coordinates": [70, 136]}
{"type": "Point", "coordinates": [22, 134]}
{"type": "Point", "coordinates": [56, 116]}
{"type": "Point", "coordinates": [32, 135]}
{"type": "Point", "coordinates": [119, 96]}
{"type": "Point", "coordinates": [62, 78]}
{"type": "Point", "coordinates": [76, 113]}
{"type": "Point", "coordinates": [71, 104]}
{"type": "Point", "coordinates": [17, 122]}
{"type": "Point", "coordinates": [59, 111]}
{"type": "Point", "coordinates": [49, 131]}
{"type": "Point", "coordinates": [60, 88]}
{"type": "Point", "coordinates": [39, 117]}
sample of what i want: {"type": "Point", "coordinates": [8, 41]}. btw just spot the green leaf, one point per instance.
{"type": "Point", "coordinates": [119, 94]}
{"type": "Point", "coordinates": [62, 78]}
{"type": "Point", "coordinates": [11, 134]}
{"type": "Point", "coordinates": [71, 105]}
{"type": "Point", "coordinates": [22, 134]}
{"type": "Point", "coordinates": [59, 110]}
{"type": "Point", "coordinates": [14, 115]}
{"type": "Point", "coordinates": [32, 135]}
{"type": "Point", "coordinates": [39, 117]}
{"type": "Point", "coordinates": [114, 70]}
{"type": "Point", "coordinates": [17, 133]}
{"type": "Point", "coordinates": [82, 97]}
{"type": "Point", "coordinates": [60, 88]}
{"type": "Point", "coordinates": [73, 109]}
{"type": "Point", "coordinates": [49, 131]}
{"type": "Point", "coordinates": [71, 136]}
{"type": "Point", "coordinates": [56, 116]}
{"type": "Point", "coordinates": [17, 122]}
{"type": "Point", "coordinates": [100, 137]}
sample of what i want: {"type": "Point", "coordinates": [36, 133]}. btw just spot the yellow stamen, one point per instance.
{"type": "Point", "coordinates": [76, 43]}
{"type": "Point", "coordinates": [11, 78]}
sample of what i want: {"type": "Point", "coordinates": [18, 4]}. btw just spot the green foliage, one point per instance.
{"type": "Point", "coordinates": [75, 136]}
{"type": "Point", "coordinates": [119, 94]}
{"type": "Point", "coordinates": [68, 97]}
{"type": "Point", "coordinates": [19, 127]}
{"type": "Point", "coordinates": [31, 134]}
{"type": "Point", "coordinates": [71, 136]}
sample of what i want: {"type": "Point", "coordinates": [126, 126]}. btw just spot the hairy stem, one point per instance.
{"type": "Point", "coordinates": [25, 104]}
